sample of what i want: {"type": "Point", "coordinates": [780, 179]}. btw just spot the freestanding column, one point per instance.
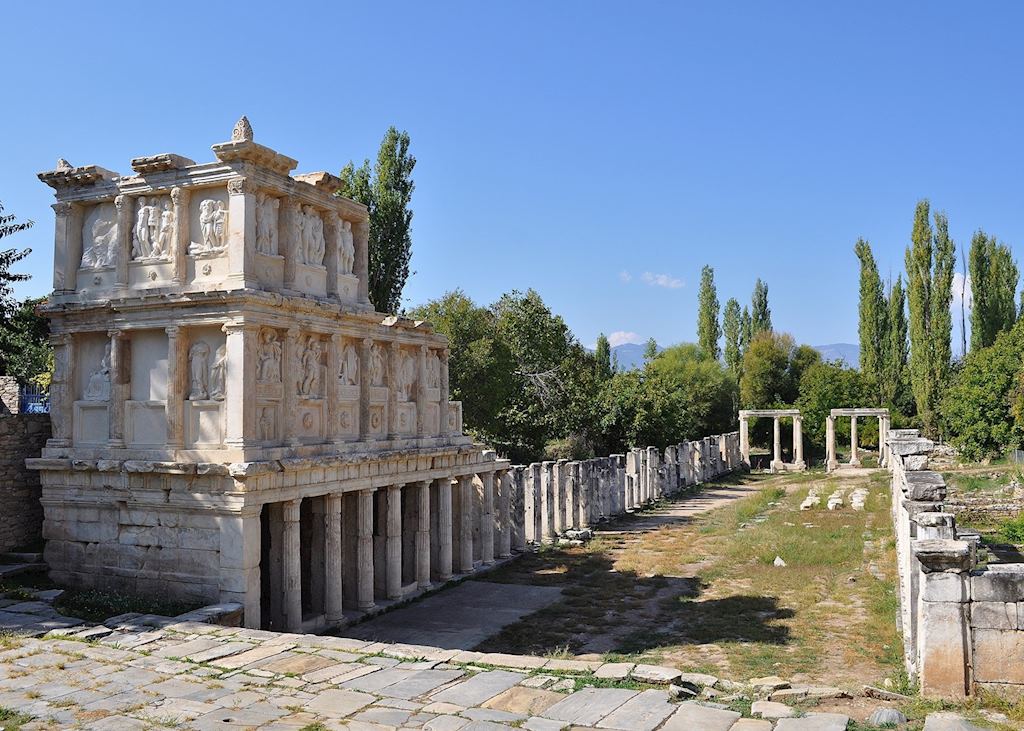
{"type": "Point", "coordinates": [444, 529]}
{"type": "Point", "coordinates": [776, 446]}
{"type": "Point", "coordinates": [465, 524]}
{"type": "Point", "coordinates": [487, 519]}
{"type": "Point", "coordinates": [883, 439]}
{"type": "Point", "coordinates": [364, 550]}
{"type": "Point", "coordinates": [505, 514]}
{"type": "Point", "coordinates": [854, 456]}
{"type": "Point", "coordinates": [422, 491]}
{"type": "Point", "coordinates": [547, 509]}
{"type": "Point", "coordinates": [798, 442]}
{"type": "Point", "coordinates": [393, 571]}
{"type": "Point", "coordinates": [292, 566]}
{"type": "Point", "coordinates": [332, 560]}
{"type": "Point", "coordinates": [830, 444]}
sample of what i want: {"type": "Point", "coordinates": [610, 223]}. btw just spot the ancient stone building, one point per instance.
{"type": "Point", "coordinates": [232, 421]}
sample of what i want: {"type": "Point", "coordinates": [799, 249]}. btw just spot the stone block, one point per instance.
{"type": "Point", "coordinates": [998, 656]}
{"type": "Point", "coordinates": [1005, 584]}
{"type": "Point", "coordinates": [993, 615]}
{"type": "Point", "coordinates": [943, 587]}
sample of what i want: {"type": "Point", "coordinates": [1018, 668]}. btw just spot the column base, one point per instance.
{"type": "Point", "coordinates": [800, 465]}
{"type": "Point", "coordinates": [854, 463]}
{"type": "Point", "coordinates": [832, 465]}
{"type": "Point", "coordinates": [778, 466]}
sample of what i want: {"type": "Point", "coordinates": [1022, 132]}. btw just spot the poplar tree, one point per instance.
{"type": "Point", "coordinates": [874, 319]}
{"type": "Point", "coordinates": [603, 358]}
{"type": "Point", "coordinates": [929, 260]}
{"type": "Point", "coordinates": [747, 328]}
{"type": "Point", "coordinates": [731, 327]}
{"type": "Point", "coordinates": [760, 314]}
{"type": "Point", "coordinates": [893, 384]}
{"type": "Point", "coordinates": [993, 287]}
{"type": "Point", "coordinates": [708, 329]}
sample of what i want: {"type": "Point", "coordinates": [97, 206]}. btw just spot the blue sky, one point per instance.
{"type": "Point", "coordinates": [598, 152]}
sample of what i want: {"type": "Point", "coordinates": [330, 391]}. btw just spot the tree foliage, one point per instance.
{"type": "Point", "coordinates": [825, 386]}
{"type": "Point", "coordinates": [994, 278]}
{"type": "Point", "coordinates": [25, 351]}
{"type": "Point", "coordinates": [708, 329]}
{"type": "Point", "coordinates": [732, 326]}
{"type": "Point", "coordinates": [873, 325]}
{"type": "Point", "coordinates": [894, 385]}
{"type": "Point", "coordinates": [766, 382]}
{"type": "Point", "coordinates": [387, 193]}
{"type": "Point", "coordinates": [9, 225]}
{"type": "Point", "coordinates": [760, 313]}
{"type": "Point", "coordinates": [603, 358]}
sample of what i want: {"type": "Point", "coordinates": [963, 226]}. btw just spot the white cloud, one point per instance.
{"type": "Point", "coordinates": [961, 284]}
{"type": "Point", "coordinates": [662, 280]}
{"type": "Point", "coordinates": [621, 337]}
{"type": "Point", "coordinates": [625, 276]}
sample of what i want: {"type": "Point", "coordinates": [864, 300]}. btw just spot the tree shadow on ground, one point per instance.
{"type": "Point", "coordinates": [607, 610]}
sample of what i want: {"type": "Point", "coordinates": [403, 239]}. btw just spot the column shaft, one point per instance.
{"type": "Point", "coordinates": [291, 565]}
{"type": "Point", "coordinates": [854, 456]}
{"type": "Point", "coordinates": [393, 571]}
{"type": "Point", "coordinates": [487, 519]}
{"type": "Point", "coordinates": [333, 560]}
{"type": "Point", "coordinates": [364, 550]}
{"type": "Point", "coordinates": [776, 444]}
{"type": "Point", "coordinates": [423, 534]}
{"type": "Point", "coordinates": [444, 528]}
{"type": "Point", "coordinates": [465, 524]}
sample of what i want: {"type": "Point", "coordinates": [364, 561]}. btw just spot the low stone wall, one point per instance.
{"type": "Point", "coordinates": [21, 515]}
{"type": "Point", "coordinates": [553, 498]}
{"type": "Point", "coordinates": [963, 626]}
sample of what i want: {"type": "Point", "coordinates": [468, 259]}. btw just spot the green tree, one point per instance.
{"type": "Point", "coordinates": [746, 331]}
{"type": "Point", "coordinates": [894, 386]}
{"type": "Point", "coordinates": [603, 358]}
{"type": "Point", "coordinates": [873, 320]}
{"type": "Point", "coordinates": [9, 225]}
{"type": "Point", "coordinates": [387, 193]}
{"type": "Point", "coordinates": [823, 387]}
{"type": "Point", "coordinates": [980, 404]}
{"type": "Point", "coordinates": [732, 328]}
{"type": "Point", "coordinates": [25, 351]}
{"type": "Point", "coordinates": [929, 261]}
{"type": "Point", "coordinates": [765, 380]}
{"type": "Point", "coordinates": [650, 349]}
{"type": "Point", "coordinates": [708, 329]}
{"type": "Point", "coordinates": [760, 314]}
{"type": "Point", "coordinates": [994, 278]}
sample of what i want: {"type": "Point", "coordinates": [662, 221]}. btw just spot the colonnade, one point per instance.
{"type": "Point", "coordinates": [831, 459]}
{"type": "Point", "coordinates": [777, 464]}
{"type": "Point", "coordinates": [326, 555]}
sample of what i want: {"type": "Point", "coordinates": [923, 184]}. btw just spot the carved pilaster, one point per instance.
{"type": "Point", "coordinates": [178, 254]}
{"type": "Point", "coordinates": [62, 396]}
{"type": "Point", "coordinates": [290, 395]}
{"type": "Point", "coordinates": [67, 246]}
{"type": "Point", "coordinates": [332, 235]}
{"type": "Point", "coordinates": [421, 392]}
{"type": "Point", "coordinates": [331, 387]}
{"type": "Point", "coordinates": [394, 366]}
{"type": "Point", "coordinates": [364, 389]}
{"type": "Point", "coordinates": [177, 377]}
{"type": "Point", "coordinates": [242, 229]}
{"type": "Point", "coordinates": [125, 209]}
{"type": "Point", "coordinates": [286, 239]}
{"type": "Point", "coordinates": [361, 240]}
{"type": "Point", "coordinates": [442, 422]}
{"type": "Point", "coordinates": [120, 383]}
{"type": "Point", "coordinates": [240, 385]}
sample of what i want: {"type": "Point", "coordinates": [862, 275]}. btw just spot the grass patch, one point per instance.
{"type": "Point", "coordinates": [315, 726]}
{"type": "Point", "coordinates": [95, 606]}
{"type": "Point", "coordinates": [12, 720]}
{"type": "Point", "coordinates": [1013, 530]}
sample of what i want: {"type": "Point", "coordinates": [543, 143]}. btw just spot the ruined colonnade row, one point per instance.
{"type": "Point", "coordinates": [777, 465]}
{"type": "Point", "coordinates": [831, 461]}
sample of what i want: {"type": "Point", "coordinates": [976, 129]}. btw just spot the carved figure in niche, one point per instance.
{"type": "Point", "coordinates": [376, 365]}
{"type": "Point", "coordinates": [98, 388]}
{"type": "Point", "coordinates": [218, 372]}
{"type": "Point", "coordinates": [319, 242]}
{"type": "Point", "coordinates": [433, 370]}
{"type": "Point", "coordinates": [198, 355]}
{"type": "Point", "coordinates": [349, 374]}
{"type": "Point", "coordinates": [102, 250]}
{"type": "Point", "coordinates": [162, 242]}
{"type": "Point", "coordinates": [266, 223]}
{"type": "Point", "coordinates": [309, 383]}
{"type": "Point", "coordinates": [298, 228]}
{"type": "Point", "coordinates": [267, 431]}
{"type": "Point", "coordinates": [311, 243]}
{"type": "Point", "coordinates": [213, 227]}
{"type": "Point", "coordinates": [347, 253]}
{"type": "Point", "coordinates": [141, 246]}
{"type": "Point", "coordinates": [406, 376]}
{"type": "Point", "coordinates": [268, 357]}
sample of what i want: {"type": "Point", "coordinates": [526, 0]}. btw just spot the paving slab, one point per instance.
{"type": "Point", "coordinates": [339, 702]}
{"type": "Point", "coordinates": [947, 721]}
{"type": "Point", "coordinates": [480, 688]}
{"type": "Point", "coordinates": [421, 683]}
{"type": "Point", "coordinates": [525, 700]}
{"type": "Point", "coordinates": [458, 618]}
{"type": "Point", "coordinates": [692, 716]}
{"type": "Point", "coordinates": [643, 712]}
{"type": "Point", "coordinates": [588, 706]}
{"type": "Point", "coordinates": [814, 722]}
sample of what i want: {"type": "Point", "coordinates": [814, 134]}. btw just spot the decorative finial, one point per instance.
{"type": "Point", "coordinates": [242, 131]}
{"type": "Point", "coordinates": [63, 164]}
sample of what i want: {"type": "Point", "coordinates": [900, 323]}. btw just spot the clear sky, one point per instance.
{"type": "Point", "coordinates": [598, 152]}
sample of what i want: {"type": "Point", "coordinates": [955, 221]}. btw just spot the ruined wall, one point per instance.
{"type": "Point", "coordinates": [963, 625]}
{"type": "Point", "coordinates": [551, 499]}
{"type": "Point", "coordinates": [21, 436]}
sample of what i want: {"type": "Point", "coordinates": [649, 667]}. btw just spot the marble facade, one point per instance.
{"type": "Point", "coordinates": [232, 420]}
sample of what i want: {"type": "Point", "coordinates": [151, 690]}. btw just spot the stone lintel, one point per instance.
{"type": "Point", "coordinates": [160, 163]}
{"type": "Point", "coordinates": [71, 177]}
{"type": "Point", "coordinates": [943, 555]}
{"type": "Point", "coordinates": [860, 412]}
{"type": "Point", "coordinates": [249, 151]}
{"type": "Point", "coordinates": [767, 413]}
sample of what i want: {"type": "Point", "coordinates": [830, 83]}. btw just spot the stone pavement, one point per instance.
{"type": "Point", "coordinates": [458, 618]}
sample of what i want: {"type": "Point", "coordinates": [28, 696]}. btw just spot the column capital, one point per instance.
{"type": "Point", "coordinates": [235, 327]}
{"type": "Point", "coordinates": [172, 330]}
{"type": "Point", "coordinates": [117, 334]}
{"type": "Point", "coordinates": [291, 509]}
{"type": "Point", "coordinates": [241, 186]}
{"type": "Point", "coordinates": [177, 195]}
{"type": "Point", "coordinates": [62, 208]}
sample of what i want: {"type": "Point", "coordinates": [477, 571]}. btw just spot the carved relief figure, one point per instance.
{"type": "Point", "coordinates": [218, 373]}
{"type": "Point", "coordinates": [268, 358]}
{"type": "Point", "coordinates": [213, 226]}
{"type": "Point", "coordinates": [103, 249]}
{"type": "Point", "coordinates": [433, 370]}
{"type": "Point", "coordinates": [198, 355]}
{"type": "Point", "coordinates": [266, 223]}
{"type": "Point", "coordinates": [165, 234]}
{"type": "Point", "coordinates": [309, 382]}
{"type": "Point", "coordinates": [154, 230]}
{"type": "Point", "coordinates": [349, 374]}
{"type": "Point", "coordinates": [266, 424]}
{"type": "Point", "coordinates": [347, 253]}
{"type": "Point", "coordinates": [406, 376]}
{"type": "Point", "coordinates": [141, 247]}
{"type": "Point", "coordinates": [376, 365]}
{"type": "Point", "coordinates": [310, 236]}
{"type": "Point", "coordinates": [98, 388]}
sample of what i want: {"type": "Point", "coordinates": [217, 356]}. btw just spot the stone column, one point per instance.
{"type": "Point", "coordinates": [558, 471]}
{"type": "Point", "coordinates": [466, 524]}
{"type": "Point", "coordinates": [62, 391]}
{"type": "Point", "coordinates": [120, 384]}
{"type": "Point", "coordinates": [505, 519]}
{"type": "Point", "coordinates": [831, 463]}
{"type": "Point", "coordinates": [67, 246]}
{"type": "Point", "coordinates": [332, 237]}
{"type": "Point", "coordinates": [586, 479]}
{"type": "Point", "coordinates": [364, 389]}
{"type": "Point", "coordinates": [287, 245]}
{"type": "Point", "coordinates": [289, 393]}
{"type": "Point", "coordinates": [442, 418]}
{"type": "Point", "coordinates": [444, 529]}
{"type": "Point", "coordinates": [291, 564]}
{"type": "Point", "coordinates": [125, 213]}
{"type": "Point", "coordinates": [240, 539]}
{"type": "Point", "coordinates": [798, 442]}
{"type": "Point", "coordinates": [421, 392]}
{"type": "Point", "coordinates": [394, 364]}
{"type": "Point", "coordinates": [333, 561]}
{"type": "Point", "coordinates": [240, 385]}
{"type": "Point", "coordinates": [364, 550]}
{"type": "Point", "coordinates": [422, 491]}
{"type": "Point", "coordinates": [242, 229]}
{"type": "Point", "coordinates": [547, 508]}
{"type": "Point", "coordinates": [854, 455]}
{"type": "Point", "coordinates": [776, 446]}
{"type": "Point", "coordinates": [487, 519]}
{"type": "Point", "coordinates": [360, 238]}
{"type": "Point", "coordinates": [393, 573]}
{"type": "Point", "coordinates": [177, 385]}
{"type": "Point", "coordinates": [883, 438]}
{"type": "Point", "coordinates": [180, 239]}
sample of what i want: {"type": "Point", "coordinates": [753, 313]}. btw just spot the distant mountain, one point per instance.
{"type": "Point", "coordinates": [848, 353]}
{"type": "Point", "coordinates": [630, 355]}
